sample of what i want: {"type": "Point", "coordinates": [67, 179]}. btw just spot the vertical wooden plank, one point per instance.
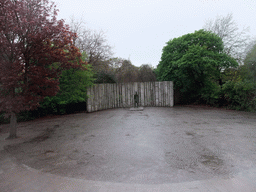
{"type": "Point", "coordinates": [105, 96]}
{"type": "Point", "coordinates": [145, 93]}
{"type": "Point", "coordinates": [123, 95]}
{"type": "Point", "coordinates": [139, 93]}
{"type": "Point", "coordinates": [135, 87]}
{"type": "Point", "coordinates": [119, 95]}
{"type": "Point", "coordinates": [97, 98]}
{"type": "Point", "coordinates": [150, 98]}
{"type": "Point", "coordinates": [114, 93]}
{"type": "Point", "coordinates": [112, 99]}
{"type": "Point", "coordinates": [148, 93]}
{"type": "Point", "coordinates": [93, 98]}
{"type": "Point", "coordinates": [160, 93]}
{"type": "Point", "coordinates": [126, 94]}
{"type": "Point", "coordinates": [167, 94]}
{"type": "Point", "coordinates": [142, 94]}
{"type": "Point", "coordinates": [114, 96]}
{"type": "Point", "coordinates": [157, 93]}
{"type": "Point", "coordinates": [132, 93]}
{"type": "Point", "coordinates": [147, 96]}
{"type": "Point", "coordinates": [109, 96]}
{"type": "Point", "coordinates": [88, 99]}
{"type": "Point", "coordinates": [153, 94]}
{"type": "Point", "coordinates": [163, 93]}
{"type": "Point", "coordinates": [149, 90]}
{"type": "Point", "coordinates": [172, 94]}
{"type": "Point", "coordinates": [101, 96]}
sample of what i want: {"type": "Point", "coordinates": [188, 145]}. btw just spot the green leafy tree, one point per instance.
{"type": "Point", "coordinates": [250, 63]}
{"type": "Point", "coordinates": [194, 63]}
{"type": "Point", "coordinates": [240, 95]}
{"type": "Point", "coordinates": [105, 77]}
{"type": "Point", "coordinates": [239, 90]}
{"type": "Point", "coordinates": [73, 86]}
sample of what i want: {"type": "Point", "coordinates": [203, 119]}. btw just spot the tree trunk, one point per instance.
{"type": "Point", "coordinates": [13, 126]}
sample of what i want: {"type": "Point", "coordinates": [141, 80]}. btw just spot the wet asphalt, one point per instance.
{"type": "Point", "coordinates": [153, 146]}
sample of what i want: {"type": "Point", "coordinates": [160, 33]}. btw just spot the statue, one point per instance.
{"type": "Point", "coordinates": [136, 100]}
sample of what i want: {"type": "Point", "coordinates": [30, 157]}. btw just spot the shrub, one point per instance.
{"type": "Point", "coordinates": [240, 95]}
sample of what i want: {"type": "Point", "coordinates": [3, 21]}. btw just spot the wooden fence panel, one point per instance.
{"type": "Point", "coordinates": [106, 96]}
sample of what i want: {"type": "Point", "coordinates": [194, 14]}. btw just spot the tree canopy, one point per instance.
{"type": "Point", "coordinates": [194, 62]}
{"type": "Point", "coordinates": [250, 63]}
{"type": "Point", "coordinates": [35, 48]}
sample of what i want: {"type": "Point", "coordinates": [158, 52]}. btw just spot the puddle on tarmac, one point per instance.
{"type": "Point", "coordinates": [211, 161]}
{"type": "Point", "coordinates": [190, 133]}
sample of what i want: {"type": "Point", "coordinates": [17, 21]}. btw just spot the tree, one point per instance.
{"type": "Point", "coordinates": [98, 51]}
{"type": "Point", "coordinates": [194, 62]}
{"type": "Point", "coordinates": [235, 41]}
{"type": "Point", "coordinates": [35, 48]}
{"type": "Point", "coordinates": [127, 72]}
{"type": "Point", "coordinates": [93, 43]}
{"type": "Point", "coordinates": [146, 74]}
{"type": "Point", "coordinates": [250, 63]}
{"type": "Point", "coordinates": [73, 86]}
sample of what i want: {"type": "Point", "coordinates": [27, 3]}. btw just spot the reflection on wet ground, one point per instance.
{"type": "Point", "coordinates": [153, 146]}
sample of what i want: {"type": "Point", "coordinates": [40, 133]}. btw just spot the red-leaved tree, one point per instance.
{"type": "Point", "coordinates": [35, 48]}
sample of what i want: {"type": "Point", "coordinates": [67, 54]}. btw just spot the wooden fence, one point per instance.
{"type": "Point", "coordinates": [107, 96]}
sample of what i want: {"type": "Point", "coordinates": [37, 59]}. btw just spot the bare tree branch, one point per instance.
{"type": "Point", "coordinates": [235, 41]}
{"type": "Point", "coordinates": [92, 42]}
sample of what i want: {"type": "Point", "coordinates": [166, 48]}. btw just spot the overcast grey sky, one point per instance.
{"type": "Point", "coordinates": [138, 29]}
